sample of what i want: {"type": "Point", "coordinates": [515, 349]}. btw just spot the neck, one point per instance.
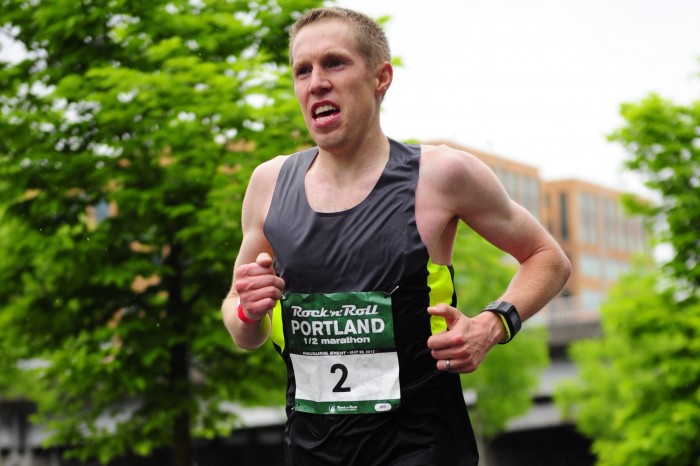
{"type": "Point", "coordinates": [339, 180]}
{"type": "Point", "coordinates": [347, 162]}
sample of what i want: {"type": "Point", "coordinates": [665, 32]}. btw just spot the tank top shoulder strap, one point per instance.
{"type": "Point", "coordinates": [290, 181]}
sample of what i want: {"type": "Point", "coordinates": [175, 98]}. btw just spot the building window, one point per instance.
{"type": "Point", "coordinates": [591, 300]}
{"type": "Point", "coordinates": [588, 216]}
{"type": "Point", "coordinates": [612, 224]}
{"type": "Point", "coordinates": [531, 190]}
{"type": "Point", "coordinates": [614, 269]}
{"type": "Point", "coordinates": [591, 266]}
{"type": "Point", "coordinates": [564, 216]}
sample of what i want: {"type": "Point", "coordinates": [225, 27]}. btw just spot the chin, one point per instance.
{"type": "Point", "coordinates": [327, 141]}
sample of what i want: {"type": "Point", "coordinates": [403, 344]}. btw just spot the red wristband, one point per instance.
{"type": "Point", "coordinates": [244, 317]}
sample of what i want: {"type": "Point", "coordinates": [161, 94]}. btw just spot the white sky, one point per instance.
{"type": "Point", "coordinates": [538, 81]}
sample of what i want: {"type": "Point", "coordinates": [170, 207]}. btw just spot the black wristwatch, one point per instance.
{"type": "Point", "coordinates": [509, 315]}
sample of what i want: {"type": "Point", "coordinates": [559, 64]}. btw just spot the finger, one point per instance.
{"type": "Point", "coordinates": [253, 283]}
{"type": "Point", "coordinates": [451, 314]}
{"type": "Point", "coordinates": [259, 302]}
{"type": "Point", "coordinates": [270, 293]}
{"type": "Point", "coordinates": [264, 260]}
{"type": "Point", "coordinates": [442, 365]}
{"type": "Point", "coordinates": [443, 340]}
{"type": "Point", "coordinates": [257, 309]}
{"type": "Point", "coordinates": [252, 270]}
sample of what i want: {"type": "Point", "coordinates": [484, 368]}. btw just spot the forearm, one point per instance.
{"type": "Point", "coordinates": [539, 279]}
{"type": "Point", "coordinates": [245, 335]}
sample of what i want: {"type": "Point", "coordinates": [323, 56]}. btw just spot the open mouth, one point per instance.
{"type": "Point", "coordinates": [323, 112]}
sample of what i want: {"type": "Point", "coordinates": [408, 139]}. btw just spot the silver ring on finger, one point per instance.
{"type": "Point", "coordinates": [448, 365]}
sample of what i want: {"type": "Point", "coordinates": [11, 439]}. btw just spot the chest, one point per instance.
{"type": "Point", "coordinates": [329, 239]}
{"type": "Point", "coordinates": [434, 223]}
{"type": "Point", "coordinates": [330, 199]}
{"type": "Point", "coordinates": [328, 194]}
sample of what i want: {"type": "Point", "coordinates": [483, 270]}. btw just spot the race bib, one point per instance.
{"type": "Point", "coordinates": [343, 352]}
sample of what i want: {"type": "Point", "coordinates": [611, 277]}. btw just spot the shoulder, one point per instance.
{"type": "Point", "coordinates": [449, 162]}
{"type": "Point", "coordinates": [268, 171]}
{"type": "Point", "coordinates": [462, 184]}
{"type": "Point", "coordinates": [261, 186]}
{"type": "Point", "coordinates": [454, 171]}
{"type": "Point", "coordinates": [264, 178]}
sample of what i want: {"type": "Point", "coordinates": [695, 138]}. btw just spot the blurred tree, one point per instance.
{"type": "Point", "coordinates": [13, 380]}
{"type": "Point", "coordinates": [128, 131]}
{"type": "Point", "coordinates": [638, 393]}
{"type": "Point", "coordinates": [663, 142]}
{"type": "Point", "coordinates": [509, 376]}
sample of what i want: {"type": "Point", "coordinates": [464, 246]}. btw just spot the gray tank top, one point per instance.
{"type": "Point", "coordinates": [372, 247]}
{"type": "Point", "coordinates": [369, 247]}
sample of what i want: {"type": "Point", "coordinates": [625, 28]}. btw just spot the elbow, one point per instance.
{"type": "Point", "coordinates": [240, 337]}
{"type": "Point", "coordinates": [565, 268]}
{"type": "Point", "coordinates": [246, 346]}
{"type": "Point", "coordinates": [248, 337]}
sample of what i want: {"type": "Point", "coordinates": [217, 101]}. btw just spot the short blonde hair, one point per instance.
{"type": "Point", "coordinates": [371, 40]}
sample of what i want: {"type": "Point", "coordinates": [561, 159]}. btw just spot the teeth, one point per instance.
{"type": "Point", "coordinates": [324, 108]}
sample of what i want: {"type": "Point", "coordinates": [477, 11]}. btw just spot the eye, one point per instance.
{"type": "Point", "coordinates": [333, 63]}
{"type": "Point", "coordinates": [301, 71]}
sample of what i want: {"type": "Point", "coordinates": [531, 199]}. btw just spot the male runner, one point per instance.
{"type": "Point", "coordinates": [345, 263]}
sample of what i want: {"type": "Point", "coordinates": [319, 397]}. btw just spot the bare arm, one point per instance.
{"type": "Point", "coordinates": [544, 268]}
{"type": "Point", "coordinates": [255, 285]}
{"type": "Point", "coordinates": [470, 191]}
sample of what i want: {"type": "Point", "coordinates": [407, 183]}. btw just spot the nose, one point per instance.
{"type": "Point", "coordinates": [319, 82]}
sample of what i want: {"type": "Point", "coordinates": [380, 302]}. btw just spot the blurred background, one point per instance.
{"type": "Point", "coordinates": [128, 132]}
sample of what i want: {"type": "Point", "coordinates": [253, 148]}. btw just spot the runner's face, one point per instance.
{"type": "Point", "coordinates": [338, 97]}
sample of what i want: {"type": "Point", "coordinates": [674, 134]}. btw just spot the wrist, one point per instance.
{"type": "Point", "coordinates": [497, 330]}
{"type": "Point", "coordinates": [509, 317]}
{"type": "Point", "coordinates": [243, 317]}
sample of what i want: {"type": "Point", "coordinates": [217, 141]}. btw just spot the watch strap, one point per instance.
{"type": "Point", "coordinates": [509, 316]}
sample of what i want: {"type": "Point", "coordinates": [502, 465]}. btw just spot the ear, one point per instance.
{"type": "Point", "coordinates": [384, 76]}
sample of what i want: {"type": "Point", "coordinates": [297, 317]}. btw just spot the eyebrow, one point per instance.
{"type": "Point", "coordinates": [328, 54]}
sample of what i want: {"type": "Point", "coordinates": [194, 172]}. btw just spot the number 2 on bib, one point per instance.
{"type": "Point", "coordinates": [343, 376]}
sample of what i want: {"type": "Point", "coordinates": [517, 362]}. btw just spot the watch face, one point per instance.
{"type": "Point", "coordinates": [501, 306]}
{"type": "Point", "coordinates": [509, 311]}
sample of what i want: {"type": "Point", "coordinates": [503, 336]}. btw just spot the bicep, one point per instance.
{"type": "Point", "coordinates": [488, 209]}
{"type": "Point", "coordinates": [256, 204]}
{"type": "Point", "coordinates": [514, 231]}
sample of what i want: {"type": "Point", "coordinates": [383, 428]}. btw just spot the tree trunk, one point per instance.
{"type": "Point", "coordinates": [179, 362]}
{"type": "Point", "coordinates": [182, 437]}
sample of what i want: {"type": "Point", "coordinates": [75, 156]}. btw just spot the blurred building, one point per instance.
{"type": "Point", "coordinates": [601, 240]}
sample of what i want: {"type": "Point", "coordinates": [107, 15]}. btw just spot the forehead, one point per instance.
{"type": "Point", "coordinates": [324, 37]}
